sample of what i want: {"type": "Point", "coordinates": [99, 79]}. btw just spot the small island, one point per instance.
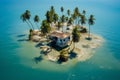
{"type": "Point", "coordinates": [65, 37]}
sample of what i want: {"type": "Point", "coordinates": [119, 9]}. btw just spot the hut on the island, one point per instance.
{"type": "Point", "coordinates": [60, 39]}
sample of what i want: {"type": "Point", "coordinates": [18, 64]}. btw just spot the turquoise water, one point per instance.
{"type": "Point", "coordinates": [16, 55]}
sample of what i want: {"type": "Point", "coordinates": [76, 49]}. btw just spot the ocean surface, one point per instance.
{"type": "Point", "coordinates": [17, 55]}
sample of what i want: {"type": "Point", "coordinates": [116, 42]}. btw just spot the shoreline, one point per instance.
{"type": "Point", "coordinates": [62, 37]}
{"type": "Point", "coordinates": [85, 49]}
{"type": "Point", "coordinates": [88, 47]}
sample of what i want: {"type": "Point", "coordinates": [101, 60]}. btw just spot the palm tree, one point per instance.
{"type": "Point", "coordinates": [63, 55]}
{"type": "Point", "coordinates": [45, 27]}
{"type": "Point", "coordinates": [76, 10]}
{"type": "Point", "coordinates": [62, 9]}
{"type": "Point", "coordinates": [27, 16]}
{"type": "Point", "coordinates": [75, 35]}
{"type": "Point", "coordinates": [52, 10]}
{"type": "Point", "coordinates": [76, 15]}
{"type": "Point", "coordinates": [30, 35]}
{"type": "Point", "coordinates": [55, 17]}
{"type": "Point", "coordinates": [52, 13]}
{"type": "Point", "coordinates": [36, 20]}
{"type": "Point", "coordinates": [68, 12]}
{"type": "Point", "coordinates": [24, 19]}
{"type": "Point", "coordinates": [90, 22]}
{"type": "Point", "coordinates": [84, 12]}
{"type": "Point", "coordinates": [66, 19]}
{"type": "Point", "coordinates": [70, 21]}
{"type": "Point", "coordinates": [83, 20]}
{"type": "Point", "coordinates": [62, 20]}
{"type": "Point", "coordinates": [49, 17]}
{"type": "Point", "coordinates": [59, 25]}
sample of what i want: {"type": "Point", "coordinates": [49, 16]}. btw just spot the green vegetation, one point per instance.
{"type": "Point", "coordinates": [68, 12]}
{"type": "Point", "coordinates": [59, 25]}
{"type": "Point", "coordinates": [62, 9]}
{"type": "Point", "coordinates": [30, 35]}
{"type": "Point", "coordinates": [76, 15]}
{"type": "Point", "coordinates": [75, 35]}
{"type": "Point", "coordinates": [55, 17]}
{"type": "Point", "coordinates": [76, 19]}
{"type": "Point", "coordinates": [63, 57]}
{"type": "Point", "coordinates": [70, 21]}
{"type": "Point", "coordinates": [24, 19]}
{"type": "Point", "coordinates": [45, 27]}
{"type": "Point", "coordinates": [90, 22]}
{"type": "Point", "coordinates": [83, 20]}
{"type": "Point", "coordinates": [36, 20]}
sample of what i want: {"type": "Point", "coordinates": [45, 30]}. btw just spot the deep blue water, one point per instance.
{"type": "Point", "coordinates": [104, 65]}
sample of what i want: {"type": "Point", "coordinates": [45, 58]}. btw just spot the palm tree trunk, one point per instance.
{"type": "Point", "coordinates": [37, 26]}
{"type": "Point", "coordinates": [62, 27]}
{"type": "Point", "coordinates": [31, 24]}
{"type": "Point", "coordinates": [89, 32]}
{"type": "Point", "coordinates": [77, 21]}
{"type": "Point", "coordinates": [28, 24]}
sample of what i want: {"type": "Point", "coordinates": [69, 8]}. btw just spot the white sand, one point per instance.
{"type": "Point", "coordinates": [84, 48]}
{"type": "Point", "coordinates": [87, 47]}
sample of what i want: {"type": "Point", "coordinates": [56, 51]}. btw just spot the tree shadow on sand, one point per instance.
{"type": "Point", "coordinates": [46, 52]}
{"type": "Point", "coordinates": [72, 55]}
{"type": "Point", "coordinates": [38, 59]}
{"type": "Point", "coordinates": [54, 46]}
{"type": "Point", "coordinates": [39, 44]}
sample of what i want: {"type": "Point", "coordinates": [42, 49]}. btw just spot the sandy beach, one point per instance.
{"type": "Point", "coordinates": [84, 48]}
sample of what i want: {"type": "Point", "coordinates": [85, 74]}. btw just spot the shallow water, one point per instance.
{"type": "Point", "coordinates": [17, 55]}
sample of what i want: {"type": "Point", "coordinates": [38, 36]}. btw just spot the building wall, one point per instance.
{"type": "Point", "coordinates": [62, 42]}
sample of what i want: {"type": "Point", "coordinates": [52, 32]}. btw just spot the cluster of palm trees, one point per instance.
{"type": "Point", "coordinates": [75, 35]}
{"type": "Point", "coordinates": [52, 16]}
{"type": "Point", "coordinates": [26, 18]}
{"type": "Point", "coordinates": [75, 18]}
{"type": "Point", "coordinates": [63, 57]}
